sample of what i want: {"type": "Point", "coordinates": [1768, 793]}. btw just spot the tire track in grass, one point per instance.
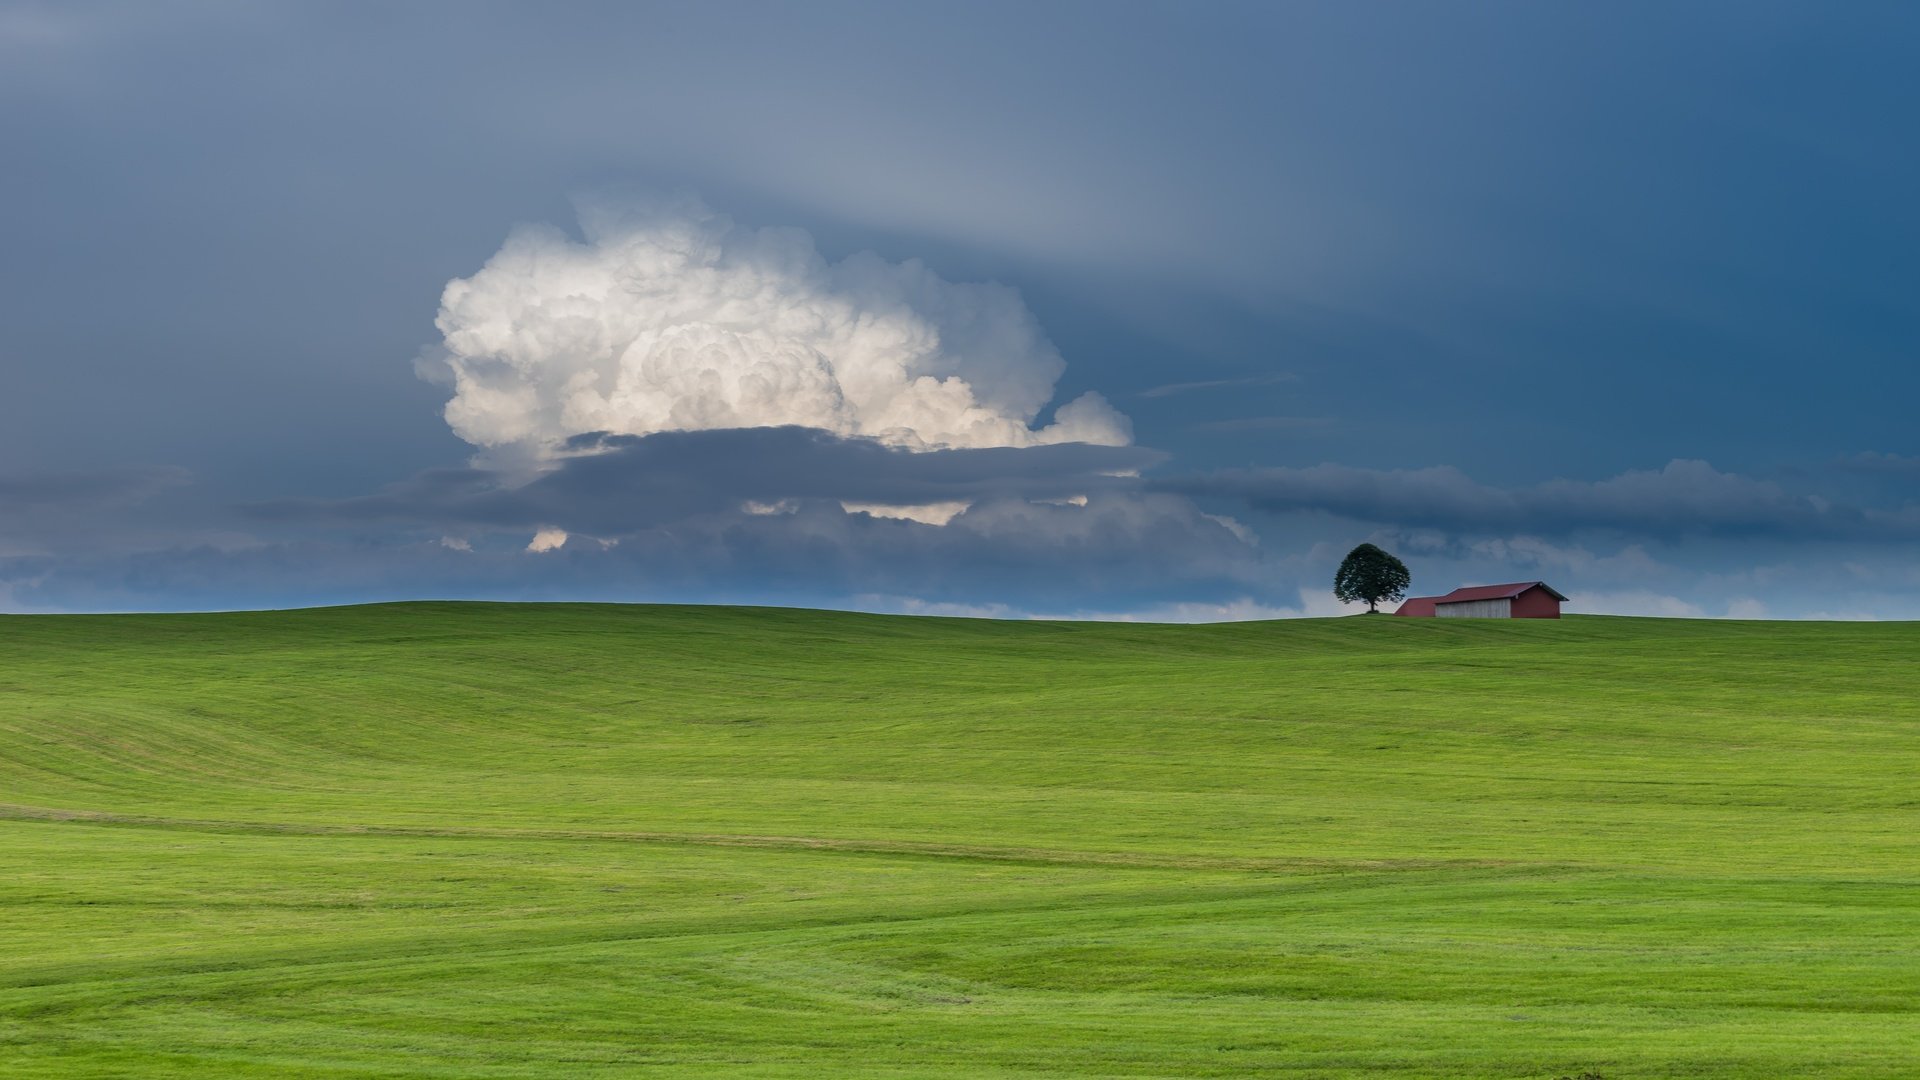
{"type": "Point", "coordinates": [903, 848]}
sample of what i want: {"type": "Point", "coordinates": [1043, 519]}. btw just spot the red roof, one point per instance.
{"type": "Point", "coordinates": [1418, 606]}
{"type": "Point", "coordinates": [1495, 592]}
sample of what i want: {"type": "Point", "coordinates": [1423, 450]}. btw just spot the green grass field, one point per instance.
{"type": "Point", "coordinates": [473, 840]}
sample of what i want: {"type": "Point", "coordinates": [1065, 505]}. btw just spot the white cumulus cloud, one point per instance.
{"type": "Point", "coordinates": [670, 317]}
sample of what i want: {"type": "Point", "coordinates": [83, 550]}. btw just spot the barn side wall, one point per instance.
{"type": "Point", "coordinates": [1476, 609]}
{"type": "Point", "coordinates": [1536, 604]}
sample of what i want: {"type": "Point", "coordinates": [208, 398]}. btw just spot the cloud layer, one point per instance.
{"type": "Point", "coordinates": [1684, 498]}
{"type": "Point", "coordinates": [670, 317]}
{"type": "Point", "coordinates": [613, 485]}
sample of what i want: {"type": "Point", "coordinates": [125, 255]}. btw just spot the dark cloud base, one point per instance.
{"type": "Point", "coordinates": [741, 514]}
{"type": "Point", "coordinates": [1116, 551]}
{"type": "Point", "coordinates": [613, 484]}
{"type": "Point", "coordinates": [760, 516]}
{"type": "Point", "coordinates": [1685, 498]}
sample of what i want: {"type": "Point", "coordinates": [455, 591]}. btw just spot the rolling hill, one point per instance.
{"type": "Point", "coordinates": [496, 840]}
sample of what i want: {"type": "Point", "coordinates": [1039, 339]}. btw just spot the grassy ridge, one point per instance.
{"type": "Point", "coordinates": [504, 840]}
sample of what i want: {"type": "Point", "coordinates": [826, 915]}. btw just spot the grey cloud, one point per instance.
{"type": "Point", "coordinates": [675, 516]}
{"type": "Point", "coordinates": [616, 484]}
{"type": "Point", "coordinates": [1116, 552]}
{"type": "Point", "coordinates": [1683, 498]}
{"type": "Point", "coordinates": [1061, 525]}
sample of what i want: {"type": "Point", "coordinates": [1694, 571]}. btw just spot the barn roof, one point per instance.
{"type": "Point", "coordinates": [1495, 592]}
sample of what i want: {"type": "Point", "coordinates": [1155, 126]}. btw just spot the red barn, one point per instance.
{"type": "Point", "coordinates": [1520, 600]}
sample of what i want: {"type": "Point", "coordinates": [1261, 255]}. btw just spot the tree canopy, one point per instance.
{"type": "Point", "coordinates": [1368, 573]}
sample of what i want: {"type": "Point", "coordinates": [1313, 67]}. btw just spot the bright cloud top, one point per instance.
{"type": "Point", "coordinates": [670, 317]}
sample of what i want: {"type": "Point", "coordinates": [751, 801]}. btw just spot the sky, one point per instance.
{"type": "Point", "coordinates": [1102, 310]}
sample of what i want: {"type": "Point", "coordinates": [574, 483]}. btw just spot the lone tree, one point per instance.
{"type": "Point", "coordinates": [1370, 574]}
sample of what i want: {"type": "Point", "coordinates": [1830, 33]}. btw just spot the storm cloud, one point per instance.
{"type": "Point", "coordinates": [1683, 498]}
{"type": "Point", "coordinates": [1114, 551]}
{"type": "Point", "coordinates": [606, 484]}
{"type": "Point", "coordinates": [1277, 234]}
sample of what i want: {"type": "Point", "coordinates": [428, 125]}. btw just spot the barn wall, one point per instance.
{"type": "Point", "coordinates": [1476, 609]}
{"type": "Point", "coordinates": [1536, 604]}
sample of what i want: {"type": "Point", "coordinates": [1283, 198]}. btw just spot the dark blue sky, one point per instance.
{"type": "Point", "coordinates": [1621, 296]}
